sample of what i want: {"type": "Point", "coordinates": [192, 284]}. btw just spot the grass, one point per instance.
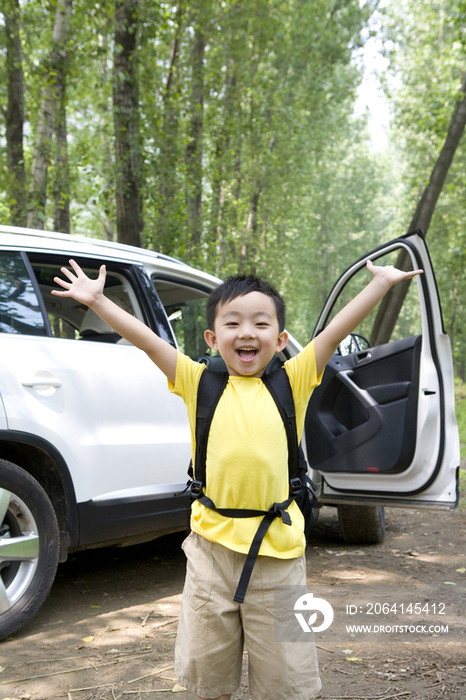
{"type": "Point", "coordinates": [462, 503]}
{"type": "Point", "coordinates": [460, 404]}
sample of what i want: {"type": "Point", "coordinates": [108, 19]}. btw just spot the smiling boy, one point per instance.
{"type": "Point", "coordinates": [246, 468]}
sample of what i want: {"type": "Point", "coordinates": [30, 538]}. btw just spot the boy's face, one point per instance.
{"type": "Point", "coordinates": [246, 334]}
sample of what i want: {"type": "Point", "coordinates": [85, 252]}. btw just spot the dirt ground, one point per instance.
{"type": "Point", "coordinates": [108, 628]}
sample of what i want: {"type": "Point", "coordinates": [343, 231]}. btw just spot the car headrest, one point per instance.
{"type": "Point", "coordinates": [93, 324]}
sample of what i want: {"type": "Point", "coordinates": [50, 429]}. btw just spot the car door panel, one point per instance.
{"type": "Point", "coordinates": [367, 402]}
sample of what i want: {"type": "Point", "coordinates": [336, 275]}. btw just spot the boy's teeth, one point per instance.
{"type": "Point", "coordinates": [246, 352]}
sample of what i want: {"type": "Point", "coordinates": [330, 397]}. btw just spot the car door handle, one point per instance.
{"type": "Point", "coordinates": [43, 381]}
{"type": "Point", "coordinates": [363, 357]}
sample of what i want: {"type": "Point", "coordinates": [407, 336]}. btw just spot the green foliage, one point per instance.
{"type": "Point", "coordinates": [275, 76]}
{"type": "Point", "coordinates": [460, 405]}
{"type": "Point", "coordinates": [348, 208]}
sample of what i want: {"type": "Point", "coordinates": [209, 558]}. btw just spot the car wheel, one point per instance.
{"type": "Point", "coordinates": [29, 545]}
{"type": "Point", "coordinates": [362, 524]}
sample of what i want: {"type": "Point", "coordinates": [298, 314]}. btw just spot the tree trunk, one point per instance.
{"type": "Point", "coordinates": [194, 147]}
{"type": "Point", "coordinates": [61, 188]}
{"type": "Point", "coordinates": [126, 123]}
{"type": "Point", "coordinates": [391, 304]}
{"type": "Point", "coordinates": [45, 126]}
{"type": "Point", "coordinates": [167, 224]}
{"type": "Point", "coordinates": [17, 200]}
{"type": "Point", "coordinates": [251, 225]}
{"type": "Point", "coordinates": [222, 149]}
{"type": "Point", "coordinates": [251, 228]}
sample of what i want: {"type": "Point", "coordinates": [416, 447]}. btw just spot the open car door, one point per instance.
{"type": "Point", "coordinates": [381, 428]}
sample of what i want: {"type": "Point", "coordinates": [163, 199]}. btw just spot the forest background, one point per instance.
{"type": "Point", "coordinates": [224, 133]}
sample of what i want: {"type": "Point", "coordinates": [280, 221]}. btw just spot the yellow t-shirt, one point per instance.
{"type": "Point", "coordinates": [247, 456]}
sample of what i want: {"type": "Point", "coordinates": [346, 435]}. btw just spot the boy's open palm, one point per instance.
{"type": "Point", "coordinates": [389, 274]}
{"type": "Point", "coordinates": [80, 286]}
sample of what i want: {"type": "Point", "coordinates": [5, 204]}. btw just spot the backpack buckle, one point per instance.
{"type": "Point", "coordinates": [196, 488]}
{"type": "Point", "coordinates": [295, 486]}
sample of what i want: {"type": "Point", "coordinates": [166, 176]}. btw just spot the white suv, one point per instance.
{"type": "Point", "coordinates": [94, 449]}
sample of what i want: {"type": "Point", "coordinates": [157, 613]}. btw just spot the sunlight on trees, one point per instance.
{"type": "Point", "coordinates": [225, 134]}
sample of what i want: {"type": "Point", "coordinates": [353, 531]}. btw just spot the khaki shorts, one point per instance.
{"type": "Point", "coordinates": [213, 629]}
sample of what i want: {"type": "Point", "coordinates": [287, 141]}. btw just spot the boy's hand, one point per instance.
{"type": "Point", "coordinates": [390, 275]}
{"type": "Point", "coordinates": [80, 286]}
{"type": "Point", "coordinates": [356, 310]}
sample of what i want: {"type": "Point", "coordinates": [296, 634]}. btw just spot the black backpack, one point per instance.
{"type": "Point", "coordinates": [211, 386]}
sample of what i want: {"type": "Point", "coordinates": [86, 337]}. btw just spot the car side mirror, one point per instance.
{"type": "Point", "coordinates": [353, 343]}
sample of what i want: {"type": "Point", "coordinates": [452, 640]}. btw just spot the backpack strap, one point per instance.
{"type": "Point", "coordinates": [211, 386]}
{"type": "Point", "coordinates": [278, 384]}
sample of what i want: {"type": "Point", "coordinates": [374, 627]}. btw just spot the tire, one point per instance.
{"type": "Point", "coordinates": [29, 563]}
{"type": "Point", "coordinates": [362, 524]}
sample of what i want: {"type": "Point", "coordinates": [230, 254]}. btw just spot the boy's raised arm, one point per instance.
{"type": "Point", "coordinates": [90, 292]}
{"type": "Point", "coordinates": [356, 310]}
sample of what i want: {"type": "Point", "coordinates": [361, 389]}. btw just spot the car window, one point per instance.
{"type": "Point", "coordinates": [185, 307]}
{"type": "Point", "coordinates": [70, 319]}
{"type": "Point", "coordinates": [20, 311]}
{"type": "Point", "coordinates": [409, 322]}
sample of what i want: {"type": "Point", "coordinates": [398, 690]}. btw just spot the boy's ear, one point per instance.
{"type": "Point", "coordinates": [282, 341]}
{"type": "Point", "coordinates": [211, 339]}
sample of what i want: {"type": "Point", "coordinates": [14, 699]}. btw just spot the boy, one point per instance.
{"type": "Point", "coordinates": [247, 467]}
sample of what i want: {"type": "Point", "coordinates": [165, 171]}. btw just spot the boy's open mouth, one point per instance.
{"type": "Point", "coordinates": [246, 354]}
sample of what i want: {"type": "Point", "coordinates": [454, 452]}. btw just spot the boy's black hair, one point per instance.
{"type": "Point", "coordinates": [237, 286]}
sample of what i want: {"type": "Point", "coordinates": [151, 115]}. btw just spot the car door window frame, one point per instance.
{"type": "Point", "coordinates": [149, 306]}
